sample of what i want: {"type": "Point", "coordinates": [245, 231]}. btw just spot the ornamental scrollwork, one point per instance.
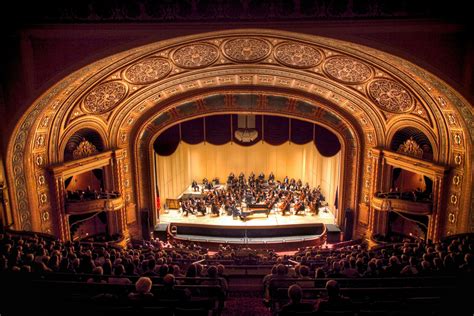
{"type": "Point", "coordinates": [195, 56]}
{"type": "Point", "coordinates": [390, 96]}
{"type": "Point", "coordinates": [148, 70]}
{"type": "Point", "coordinates": [246, 50]}
{"type": "Point", "coordinates": [104, 97]}
{"type": "Point", "coordinates": [298, 55]}
{"type": "Point", "coordinates": [347, 69]}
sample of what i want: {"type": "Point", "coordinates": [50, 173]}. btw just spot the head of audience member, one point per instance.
{"type": "Point", "coordinates": [319, 273]}
{"type": "Point", "coordinates": [212, 272]}
{"type": "Point", "coordinates": [295, 293]}
{"type": "Point", "coordinates": [332, 287]}
{"type": "Point", "coordinates": [192, 271]}
{"type": "Point", "coordinates": [281, 270]}
{"type": "Point", "coordinates": [119, 270]}
{"type": "Point", "coordinates": [304, 271]}
{"type": "Point", "coordinates": [143, 285]}
{"type": "Point", "coordinates": [163, 270]}
{"type": "Point", "coordinates": [220, 270]}
{"type": "Point", "coordinates": [176, 270]}
{"type": "Point", "coordinates": [169, 280]}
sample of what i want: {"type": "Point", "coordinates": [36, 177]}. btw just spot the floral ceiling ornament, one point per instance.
{"type": "Point", "coordinates": [84, 149]}
{"type": "Point", "coordinates": [410, 148]}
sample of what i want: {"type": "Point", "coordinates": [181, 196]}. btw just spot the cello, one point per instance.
{"type": "Point", "coordinates": [284, 206]}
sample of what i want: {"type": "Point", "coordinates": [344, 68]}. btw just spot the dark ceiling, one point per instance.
{"type": "Point", "coordinates": [202, 11]}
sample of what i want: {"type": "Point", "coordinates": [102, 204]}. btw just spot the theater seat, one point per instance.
{"type": "Point", "coordinates": [191, 312]}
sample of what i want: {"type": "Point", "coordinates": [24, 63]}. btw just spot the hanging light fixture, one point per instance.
{"type": "Point", "coordinates": [246, 132]}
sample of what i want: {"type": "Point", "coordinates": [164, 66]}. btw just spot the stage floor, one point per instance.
{"type": "Point", "coordinates": [275, 218]}
{"type": "Point", "coordinates": [176, 216]}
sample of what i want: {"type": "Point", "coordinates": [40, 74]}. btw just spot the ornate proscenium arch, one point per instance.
{"type": "Point", "coordinates": [362, 93]}
{"type": "Point", "coordinates": [242, 100]}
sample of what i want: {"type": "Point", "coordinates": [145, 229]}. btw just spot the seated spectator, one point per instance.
{"type": "Point", "coordinates": [304, 280]}
{"type": "Point", "coordinates": [142, 290]}
{"type": "Point", "coordinates": [468, 266]}
{"type": "Point", "coordinates": [411, 268]}
{"type": "Point", "coordinates": [319, 273]}
{"type": "Point", "coordinates": [349, 269]}
{"type": "Point", "coordinates": [334, 300]}
{"type": "Point", "coordinates": [212, 273]}
{"type": "Point", "coordinates": [278, 280]}
{"type": "Point", "coordinates": [97, 277]}
{"type": "Point", "coordinates": [118, 277]}
{"type": "Point", "coordinates": [425, 268]}
{"type": "Point", "coordinates": [295, 293]}
{"type": "Point", "coordinates": [170, 292]}
{"type": "Point", "coordinates": [336, 271]}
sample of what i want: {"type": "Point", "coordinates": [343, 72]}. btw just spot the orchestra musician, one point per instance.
{"type": "Point", "coordinates": [201, 207]}
{"type": "Point", "coordinates": [215, 207]}
{"type": "Point", "coordinates": [271, 178]}
{"type": "Point", "coordinates": [195, 186]}
{"type": "Point", "coordinates": [266, 197]}
{"type": "Point", "coordinates": [314, 207]}
{"type": "Point", "coordinates": [285, 205]}
{"type": "Point", "coordinates": [299, 206]}
{"type": "Point", "coordinates": [187, 207]}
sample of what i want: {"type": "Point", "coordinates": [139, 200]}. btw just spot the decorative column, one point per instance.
{"type": "Point", "coordinates": [377, 165]}
{"type": "Point", "coordinates": [434, 226]}
{"type": "Point", "coordinates": [62, 221]}
{"type": "Point", "coordinates": [117, 170]}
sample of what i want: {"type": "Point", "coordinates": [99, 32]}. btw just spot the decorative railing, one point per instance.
{"type": "Point", "coordinates": [87, 206]}
{"type": "Point", "coordinates": [404, 206]}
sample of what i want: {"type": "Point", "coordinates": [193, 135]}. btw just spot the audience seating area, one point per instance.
{"type": "Point", "coordinates": [169, 278]}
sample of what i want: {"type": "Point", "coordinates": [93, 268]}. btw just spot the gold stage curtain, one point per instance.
{"type": "Point", "coordinates": [188, 162]}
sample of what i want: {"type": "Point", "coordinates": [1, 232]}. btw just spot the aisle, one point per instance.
{"type": "Point", "coordinates": [249, 303]}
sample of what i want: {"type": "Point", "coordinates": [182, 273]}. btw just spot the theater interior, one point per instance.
{"type": "Point", "coordinates": [197, 157]}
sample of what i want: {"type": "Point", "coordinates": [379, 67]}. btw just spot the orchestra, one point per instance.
{"type": "Point", "coordinates": [256, 195]}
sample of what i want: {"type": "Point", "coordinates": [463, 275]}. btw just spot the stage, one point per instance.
{"type": "Point", "coordinates": [255, 229]}
{"type": "Point", "coordinates": [273, 220]}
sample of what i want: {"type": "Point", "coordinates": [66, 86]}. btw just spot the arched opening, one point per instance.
{"type": "Point", "coordinates": [411, 141]}
{"type": "Point", "coordinates": [200, 160]}
{"type": "Point", "coordinates": [84, 142]}
{"type": "Point", "coordinates": [337, 131]}
{"type": "Point", "coordinates": [361, 93]}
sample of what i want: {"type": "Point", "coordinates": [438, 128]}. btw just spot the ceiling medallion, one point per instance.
{"type": "Point", "coordinates": [104, 97]}
{"type": "Point", "coordinates": [347, 69]}
{"type": "Point", "coordinates": [297, 55]}
{"type": "Point", "coordinates": [147, 70]}
{"type": "Point", "coordinates": [390, 96]}
{"type": "Point", "coordinates": [195, 56]}
{"type": "Point", "coordinates": [246, 50]}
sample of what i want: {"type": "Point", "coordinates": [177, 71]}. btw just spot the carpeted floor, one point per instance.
{"type": "Point", "coordinates": [245, 304]}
